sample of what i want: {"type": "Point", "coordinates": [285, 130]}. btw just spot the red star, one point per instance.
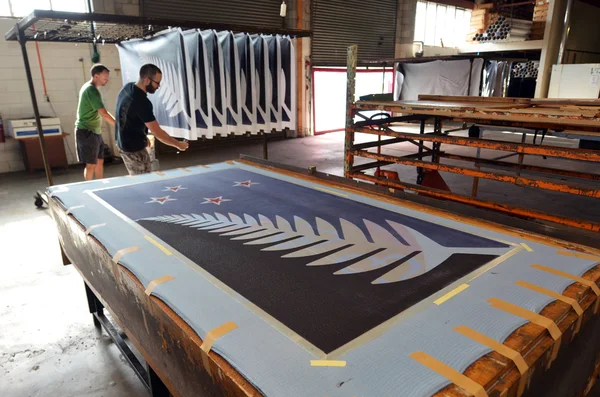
{"type": "Point", "coordinates": [160, 200]}
{"type": "Point", "coordinates": [216, 200]}
{"type": "Point", "coordinates": [174, 188]}
{"type": "Point", "coordinates": [245, 183]}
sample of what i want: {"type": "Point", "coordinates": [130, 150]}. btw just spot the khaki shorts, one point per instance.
{"type": "Point", "coordinates": [137, 162]}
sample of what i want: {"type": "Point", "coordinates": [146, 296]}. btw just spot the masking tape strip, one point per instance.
{"type": "Point", "coordinates": [124, 251]}
{"type": "Point", "coordinates": [498, 347]}
{"type": "Point", "coordinates": [579, 255]}
{"type": "Point", "coordinates": [156, 282]}
{"type": "Point", "coordinates": [89, 229]}
{"type": "Point", "coordinates": [204, 166]}
{"type": "Point", "coordinates": [331, 192]}
{"type": "Point", "coordinates": [580, 280]}
{"type": "Point", "coordinates": [158, 245]}
{"type": "Point", "coordinates": [74, 208]}
{"type": "Point", "coordinates": [215, 334]}
{"type": "Point", "coordinates": [159, 173]}
{"type": "Point", "coordinates": [451, 294]}
{"type": "Point", "coordinates": [569, 301]}
{"type": "Point", "coordinates": [327, 363]}
{"type": "Point", "coordinates": [528, 315]}
{"type": "Point", "coordinates": [185, 169]}
{"type": "Point", "coordinates": [462, 381]}
{"type": "Point", "coordinates": [528, 248]}
{"type": "Point", "coordinates": [230, 162]}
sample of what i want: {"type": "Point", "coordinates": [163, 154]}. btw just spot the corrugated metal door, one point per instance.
{"type": "Point", "coordinates": [234, 12]}
{"type": "Point", "coordinates": [341, 23]}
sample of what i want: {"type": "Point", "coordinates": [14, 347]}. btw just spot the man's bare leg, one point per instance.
{"type": "Point", "coordinates": [100, 169]}
{"type": "Point", "coordinates": [88, 173]}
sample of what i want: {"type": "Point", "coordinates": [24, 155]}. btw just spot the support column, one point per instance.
{"type": "Point", "coordinates": [551, 46]}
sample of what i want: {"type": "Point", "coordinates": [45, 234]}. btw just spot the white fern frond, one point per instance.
{"type": "Point", "coordinates": [417, 255]}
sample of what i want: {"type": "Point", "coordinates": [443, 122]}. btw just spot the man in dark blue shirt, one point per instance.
{"type": "Point", "coordinates": [135, 117]}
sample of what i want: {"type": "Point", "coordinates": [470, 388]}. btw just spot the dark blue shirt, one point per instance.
{"type": "Point", "coordinates": [134, 110]}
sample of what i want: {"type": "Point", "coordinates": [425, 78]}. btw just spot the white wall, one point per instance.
{"type": "Point", "coordinates": [64, 74]}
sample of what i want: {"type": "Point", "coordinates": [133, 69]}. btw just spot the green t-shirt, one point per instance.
{"type": "Point", "coordinates": [90, 101]}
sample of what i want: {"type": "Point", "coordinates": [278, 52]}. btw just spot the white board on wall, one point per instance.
{"type": "Point", "coordinates": [575, 81]}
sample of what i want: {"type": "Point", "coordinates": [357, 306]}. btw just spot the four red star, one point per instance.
{"type": "Point", "coordinates": [216, 200]}
{"type": "Point", "coordinates": [245, 183]}
{"type": "Point", "coordinates": [174, 188]}
{"type": "Point", "coordinates": [160, 200]}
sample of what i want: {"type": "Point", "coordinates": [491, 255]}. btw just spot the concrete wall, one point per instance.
{"type": "Point", "coordinates": [405, 28]}
{"type": "Point", "coordinates": [66, 67]}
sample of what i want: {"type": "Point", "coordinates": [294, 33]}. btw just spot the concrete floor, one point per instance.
{"type": "Point", "coordinates": [48, 344]}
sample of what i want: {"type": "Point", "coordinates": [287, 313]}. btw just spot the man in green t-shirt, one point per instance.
{"type": "Point", "coordinates": [90, 112]}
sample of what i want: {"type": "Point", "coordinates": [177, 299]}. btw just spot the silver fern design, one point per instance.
{"type": "Point", "coordinates": [417, 256]}
{"type": "Point", "coordinates": [172, 88]}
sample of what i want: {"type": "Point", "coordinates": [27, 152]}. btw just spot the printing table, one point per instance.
{"type": "Point", "coordinates": [245, 279]}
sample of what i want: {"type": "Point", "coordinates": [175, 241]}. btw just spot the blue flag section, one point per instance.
{"type": "Point", "coordinates": [217, 83]}
{"type": "Point", "coordinates": [286, 247]}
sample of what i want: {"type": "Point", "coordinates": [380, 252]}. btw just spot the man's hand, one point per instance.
{"type": "Point", "coordinates": [183, 146]}
{"type": "Point", "coordinates": [165, 138]}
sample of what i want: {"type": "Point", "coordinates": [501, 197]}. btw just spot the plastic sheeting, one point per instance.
{"type": "Point", "coordinates": [494, 75]}
{"type": "Point", "coordinates": [438, 78]}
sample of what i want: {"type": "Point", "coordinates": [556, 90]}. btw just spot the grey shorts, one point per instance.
{"type": "Point", "coordinates": [137, 162]}
{"type": "Point", "coordinates": [90, 146]}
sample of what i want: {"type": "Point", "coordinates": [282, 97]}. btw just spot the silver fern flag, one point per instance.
{"type": "Point", "coordinates": [327, 267]}
{"type": "Point", "coordinates": [217, 83]}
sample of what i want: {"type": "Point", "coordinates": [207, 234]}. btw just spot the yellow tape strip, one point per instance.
{"type": "Point", "coordinates": [528, 315]}
{"type": "Point", "coordinates": [89, 229]}
{"type": "Point", "coordinates": [157, 281]}
{"type": "Point", "coordinates": [124, 251]}
{"type": "Point", "coordinates": [580, 280]}
{"type": "Point", "coordinates": [569, 301]}
{"type": "Point", "coordinates": [230, 162]}
{"type": "Point", "coordinates": [159, 173]}
{"type": "Point", "coordinates": [74, 208]}
{"type": "Point", "coordinates": [185, 169]}
{"type": "Point", "coordinates": [331, 192]}
{"type": "Point", "coordinates": [460, 380]}
{"type": "Point", "coordinates": [579, 255]}
{"type": "Point", "coordinates": [528, 248]}
{"type": "Point", "coordinates": [215, 334]}
{"type": "Point", "coordinates": [158, 245]}
{"type": "Point", "coordinates": [327, 363]}
{"type": "Point", "coordinates": [451, 294]}
{"type": "Point", "coordinates": [498, 347]}
{"type": "Point", "coordinates": [204, 166]}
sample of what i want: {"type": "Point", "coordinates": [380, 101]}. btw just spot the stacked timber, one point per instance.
{"type": "Point", "coordinates": [505, 29]}
{"type": "Point", "coordinates": [540, 14]}
{"type": "Point", "coordinates": [481, 18]}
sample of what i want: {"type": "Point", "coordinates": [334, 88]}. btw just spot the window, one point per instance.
{"type": "Point", "coordinates": [438, 23]}
{"type": "Point", "coordinates": [21, 8]}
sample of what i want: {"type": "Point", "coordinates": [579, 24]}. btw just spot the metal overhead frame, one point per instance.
{"type": "Point", "coordinates": [412, 112]}
{"type": "Point", "coordinates": [93, 28]}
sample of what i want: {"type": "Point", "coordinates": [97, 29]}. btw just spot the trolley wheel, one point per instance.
{"type": "Point", "coordinates": [39, 203]}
